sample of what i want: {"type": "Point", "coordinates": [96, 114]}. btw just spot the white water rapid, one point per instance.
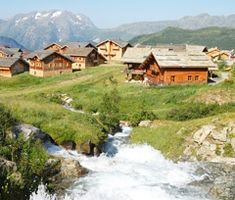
{"type": "Point", "coordinates": [128, 172]}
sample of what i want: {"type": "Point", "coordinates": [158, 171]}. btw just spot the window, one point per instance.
{"type": "Point", "coordinates": [189, 78]}
{"type": "Point", "coordinates": [172, 78]}
{"type": "Point", "coordinates": [196, 78]}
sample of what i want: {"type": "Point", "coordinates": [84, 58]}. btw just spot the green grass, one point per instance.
{"type": "Point", "coordinates": [171, 137]}
{"type": "Point", "coordinates": [32, 101]}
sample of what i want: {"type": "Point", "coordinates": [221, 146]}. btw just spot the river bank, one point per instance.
{"type": "Point", "coordinates": [126, 171]}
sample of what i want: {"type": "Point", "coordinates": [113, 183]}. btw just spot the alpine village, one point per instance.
{"type": "Point", "coordinates": [78, 115]}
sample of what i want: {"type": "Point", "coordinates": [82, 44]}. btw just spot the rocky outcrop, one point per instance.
{"type": "Point", "coordinates": [218, 180]}
{"type": "Point", "coordinates": [30, 131]}
{"type": "Point", "coordinates": [212, 143]}
{"type": "Point", "coordinates": [7, 166]}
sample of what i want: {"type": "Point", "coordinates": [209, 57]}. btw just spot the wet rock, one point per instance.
{"type": "Point", "coordinates": [203, 133]}
{"type": "Point", "coordinates": [69, 145]}
{"type": "Point", "coordinates": [30, 131]}
{"type": "Point", "coordinates": [145, 123]}
{"type": "Point", "coordinates": [87, 148]}
{"type": "Point", "coordinates": [72, 169]}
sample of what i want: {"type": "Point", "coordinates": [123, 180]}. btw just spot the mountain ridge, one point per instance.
{"type": "Point", "coordinates": [38, 28]}
{"type": "Point", "coordinates": [221, 37]}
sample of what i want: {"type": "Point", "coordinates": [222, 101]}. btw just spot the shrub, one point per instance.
{"type": "Point", "coordinates": [137, 117]}
{"type": "Point", "coordinates": [198, 110]}
{"type": "Point", "coordinates": [77, 105]}
{"type": "Point", "coordinates": [228, 151]}
{"type": "Point", "coordinates": [109, 110]}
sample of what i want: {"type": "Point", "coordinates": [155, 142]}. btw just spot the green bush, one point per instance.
{"type": "Point", "coordinates": [228, 151]}
{"type": "Point", "coordinates": [137, 117]}
{"type": "Point", "coordinates": [30, 158]}
{"type": "Point", "coordinates": [109, 110]}
{"type": "Point", "coordinates": [77, 105]}
{"type": "Point", "coordinates": [198, 110]}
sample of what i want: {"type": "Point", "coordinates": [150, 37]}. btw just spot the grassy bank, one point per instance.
{"type": "Point", "coordinates": [29, 99]}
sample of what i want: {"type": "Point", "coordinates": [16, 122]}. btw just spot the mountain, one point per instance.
{"type": "Point", "coordinates": [189, 22]}
{"type": "Point", "coordinates": [223, 38]}
{"type": "Point", "coordinates": [36, 29]}
{"type": "Point", "coordinates": [6, 41]}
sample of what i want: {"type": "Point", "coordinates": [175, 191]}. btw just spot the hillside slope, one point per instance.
{"type": "Point", "coordinates": [6, 41]}
{"type": "Point", "coordinates": [223, 38]}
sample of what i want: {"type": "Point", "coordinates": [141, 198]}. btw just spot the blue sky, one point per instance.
{"type": "Point", "coordinates": [111, 13]}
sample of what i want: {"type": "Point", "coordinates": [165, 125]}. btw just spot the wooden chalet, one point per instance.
{"type": "Point", "coordinates": [11, 66]}
{"type": "Point", "coordinates": [84, 57]}
{"type": "Point", "coordinates": [216, 54]}
{"type": "Point", "coordinates": [164, 67]}
{"type": "Point", "coordinates": [61, 47]}
{"type": "Point", "coordinates": [48, 63]}
{"type": "Point", "coordinates": [113, 50]}
{"type": "Point", "coordinates": [134, 57]}
{"type": "Point", "coordinates": [10, 52]}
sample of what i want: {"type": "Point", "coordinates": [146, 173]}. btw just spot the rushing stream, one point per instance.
{"type": "Point", "coordinates": [128, 172]}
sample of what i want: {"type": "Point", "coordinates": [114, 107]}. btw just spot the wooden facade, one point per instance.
{"type": "Point", "coordinates": [113, 50]}
{"type": "Point", "coordinates": [168, 68]}
{"type": "Point", "coordinates": [47, 63]}
{"type": "Point", "coordinates": [84, 57]}
{"type": "Point", "coordinates": [12, 66]}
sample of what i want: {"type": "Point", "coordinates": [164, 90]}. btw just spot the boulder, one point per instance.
{"type": "Point", "coordinates": [7, 166]}
{"type": "Point", "coordinates": [30, 131]}
{"type": "Point", "coordinates": [220, 136]}
{"type": "Point", "coordinates": [72, 169]}
{"type": "Point", "coordinates": [69, 145]}
{"type": "Point", "coordinates": [203, 133]}
{"type": "Point", "coordinates": [207, 151]}
{"type": "Point", "coordinates": [145, 123]}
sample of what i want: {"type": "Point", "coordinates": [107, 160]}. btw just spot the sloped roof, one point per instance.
{"type": "Point", "coordinates": [83, 52]}
{"type": "Point", "coordinates": [120, 43]}
{"type": "Point", "coordinates": [8, 62]}
{"type": "Point", "coordinates": [42, 54]}
{"type": "Point", "coordinates": [193, 59]}
{"type": "Point", "coordinates": [198, 48]}
{"type": "Point", "coordinates": [136, 55]}
{"type": "Point", "coordinates": [71, 44]}
{"type": "Point", "coordinates": [16, 52]}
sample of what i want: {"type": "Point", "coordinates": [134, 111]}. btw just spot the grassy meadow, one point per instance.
{"type": "Point", "coordinates": [31, 101]}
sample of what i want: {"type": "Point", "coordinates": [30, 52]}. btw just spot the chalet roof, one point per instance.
{"type": "Point", "coordinates": [136, 55]}
{"type": "Point", "coordinates": [83, 52]}
{"type": "Point", "coordinates": [193, 59]}
{"type": "Point", "coordinates": [198, 48]}
{"type": "Point", "coordinates": [8, 62]}
{"type": "Point", "coordinates": [71, 44]}
{"type": "Point", "coordinates": [120, 43]}
{"type": "Point", "coordinates": [42, 54]}
{"type": "Point", "coordinates": [171, 47]}
{"type": "Point", "coordinates": [16, 52]}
